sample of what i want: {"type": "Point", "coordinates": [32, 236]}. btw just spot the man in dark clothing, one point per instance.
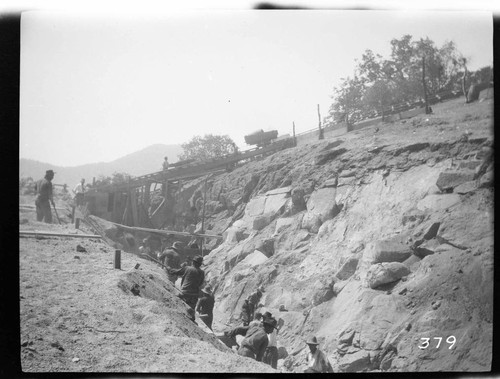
{"type": "Point", "coordinates": [172, 259]}
{"type": "Point", "coordinates": [205, 306]}
{"type": "Point", "coordinates": [44, 197]}
{"type": "Point", "coordinates": [247, 311]}
{"type": "Point", "coordinates": [255, 343]}
{"type": "Point", "coordinates": [192, 280]}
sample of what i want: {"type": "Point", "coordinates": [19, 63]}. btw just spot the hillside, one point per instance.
{"type": "Point", "coordinates": [141, 162]}
{"type": "Point", "coordinates": [372, 241]}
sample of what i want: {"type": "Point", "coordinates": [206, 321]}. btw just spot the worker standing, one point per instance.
{"type": "Point", "coordinates": [192, 280]}
{"type": "Point", "coordinates": [44, 197]}
{"type": "Point", "coordinates": [79, 192]}
{"type": "Point", "coordinates": [205, 306]}
{"type": "Point", "coordinates": [271, 354]}
{"type": "Point", "coordinates": [171, 258]}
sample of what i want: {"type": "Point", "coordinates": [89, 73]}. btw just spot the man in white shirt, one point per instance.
{"type": "Point", "coordinates": [316, 360]}
{"type": "Point", "coordinates": [271, 355]}
{"type": "Point", "coordinates": [79, 192]}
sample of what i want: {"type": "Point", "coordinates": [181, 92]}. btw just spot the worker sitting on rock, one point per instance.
{"type": "Point", "coordinates": [205, 306]}
{"type": "Point", "coordinates": [317, 361]}
{"type": "Point", "coordinates": [192, 280]}
{"type": "Point", "coordinates": [171, 258]}
{"type": "Point", "coordinates": [256, 340]}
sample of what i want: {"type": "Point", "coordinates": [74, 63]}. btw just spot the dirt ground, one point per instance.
{"type": "Point", "coordinates": [79, 315]}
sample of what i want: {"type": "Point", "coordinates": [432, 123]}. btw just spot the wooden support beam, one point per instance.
{"type": "Point", "coordinates": [133, 207]}
{"type": "Point", "coordinates": [52, 234]}
{"type": "Point", "coordinates": [166, 232]}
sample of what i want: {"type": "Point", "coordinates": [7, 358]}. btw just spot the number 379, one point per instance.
{"type": "Point", "coordinates": [451, 340]}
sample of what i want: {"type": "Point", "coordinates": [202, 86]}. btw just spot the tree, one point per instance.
{"type": "Point", "coordinates": [347, 105]}
{"type": "Point", "coordinates": [116, 178]}
{"type": "Point", "coordinates": [208, 147]}
{"type": "Point", "coordinates": [379, 96]}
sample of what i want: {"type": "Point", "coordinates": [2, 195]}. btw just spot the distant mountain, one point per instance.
{"type": "Point", "coordinates": [141, 162]}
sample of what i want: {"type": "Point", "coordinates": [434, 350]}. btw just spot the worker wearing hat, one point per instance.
{"type": "Point", "coordinates": [171, 257]}
{"type": "Point", "coordinates": [271, 354]}
{"type": "Point", "coordinates": [317, 361]}
{"type": "Point", "coordinates": [205, 306]}
{"type": "Point", "coordinates": [43, 189]}
{"type": "Point", "coordinates": [256, 340]}
{"type": "Point", "coordinates": [192, 280]}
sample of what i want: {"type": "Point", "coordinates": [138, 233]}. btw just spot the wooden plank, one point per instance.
{"type": "Point", "coordinates": [34, 206]}
{"type": "Point", "coordinates": [166, 232]}
{"type": "Point", "coordinates": [133, 208]}
{"type": "Point", "coordinates": [52, 234]}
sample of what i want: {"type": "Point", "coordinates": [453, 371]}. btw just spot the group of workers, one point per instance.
{"type": "Point", "coordinates": [260, 331]}
{"type": "Point", "coordinates": [260, 342]}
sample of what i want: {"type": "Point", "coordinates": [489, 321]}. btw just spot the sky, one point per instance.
{"type": "Point", "coordinates": [96, 86]}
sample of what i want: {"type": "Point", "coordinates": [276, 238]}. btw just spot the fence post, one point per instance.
{"type": "Point", "coordinates": [321, 134]}
{"type": "Point", "coordinates": [427, 110]}
{"type": "Point", "coordinates": [118, 256]}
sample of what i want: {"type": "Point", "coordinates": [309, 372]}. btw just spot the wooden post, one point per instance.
{"type": "Point", "coordinates": [147, 196]}
{"type": "Point", "coordinates": [321, 134]}
{"type": "Point", "coordinates": [133, 207]}
{"type": "Point", "coordinates": [93, 181]}
{"type": "Point", "coordinates": [73, 213]}
{"type": "Point", "coordinates": [427, 110]}
{"type": "Point", "coordinates": [118, 256]}
{"type": "Point", "coordinates": [294, 138]}
{"type": "Point", "coordinates": [203, 214]}
{"type": "Point", "coordinates": [77, 223]}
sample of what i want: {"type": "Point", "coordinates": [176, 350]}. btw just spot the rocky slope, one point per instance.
{"type": "Point", "coordinates": [373, 241]}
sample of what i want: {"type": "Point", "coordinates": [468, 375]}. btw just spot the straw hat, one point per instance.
{"type": "Point", "coordinates": [312, 341]}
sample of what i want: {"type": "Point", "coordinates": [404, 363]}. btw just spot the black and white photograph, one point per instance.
{"type": "Point", "coordinates": [259, 189]}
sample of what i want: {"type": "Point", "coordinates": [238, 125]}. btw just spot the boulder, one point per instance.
{"type": "Point", "coordinates": [413, 215]}
{"type": "Point", "coordinates": [438, 202]}
{"type": "Point", "coordinates": [233, 235]}
{"type": "Point", "coordinates": [339, 286]}
{"type": "Point", "coordinates": [386, 251]}
{"type": "Point", "coordinates": [254, 259]}
{"type": "Point", "coordinates": [311, 222]}
{"type": "Point", "coordinates": [448, 180]}
{"type": "Point", "coordinates": [321, 206]}
{"type": "Point", "coordinates": [347, 269]}
{"type": "Point", "coordinates": [354, 362]}
{"type": "Point", "coordinates": [330, 183]}
{"type": "Point", "coordinates": [282, 352]}
{"type": "Point", "coordinates": [282, 224]}
{"type": "Point", "coordinates": [412, 262]}
{"type": "Point", "coordinates": [465, 188]}
{"type": "Point", "coordinates": [278, 191]}
{"type": "Point", "coordinates": [260, 222]}
{"type": "Point", "coordinates": [298, 201]}
{"type": "Point", "coordinates": [255, 207]}
{"type": "Point", "coordinates": [487, 180]}
{"type": "Point", "coordinates": [426, 248]}
{"type": "Point", "coordinates": [382, 273]}
{"type": "Point", "coordinates": [266, 247]}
